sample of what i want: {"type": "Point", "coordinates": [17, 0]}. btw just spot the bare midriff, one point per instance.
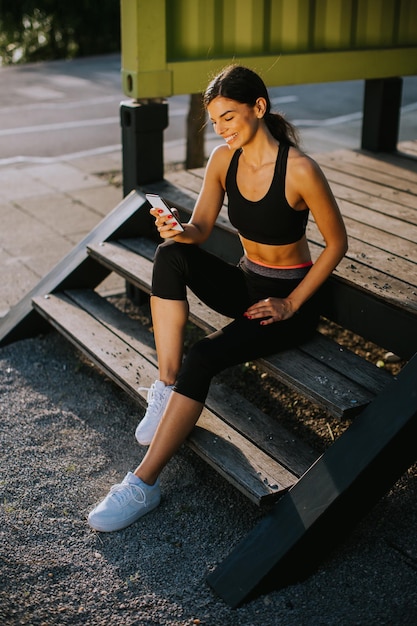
{"type": "Point", "coordinates": [288, 255]}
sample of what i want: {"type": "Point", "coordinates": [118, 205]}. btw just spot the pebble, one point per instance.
{"type": "Point", "coordinates": [390, 357]}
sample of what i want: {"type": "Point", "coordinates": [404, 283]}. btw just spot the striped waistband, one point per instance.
{"type": "Point", "coordinates": [289, 272]}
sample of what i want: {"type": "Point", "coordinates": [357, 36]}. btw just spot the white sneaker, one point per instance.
{"type": "Point", "coordinates": [124, 504]}
{"type": "Point", "coordinates": [158, 396]}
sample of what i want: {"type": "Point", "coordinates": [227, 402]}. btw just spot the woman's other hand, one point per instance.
{"type": "Point", "coordinates": [270, 310]}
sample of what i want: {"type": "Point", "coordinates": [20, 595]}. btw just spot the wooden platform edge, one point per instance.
{"type": "Point", "coordinates": [333, 495]}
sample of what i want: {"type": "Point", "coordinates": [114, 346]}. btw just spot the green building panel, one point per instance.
{"type": "Point", "coordinates": [172, 47]}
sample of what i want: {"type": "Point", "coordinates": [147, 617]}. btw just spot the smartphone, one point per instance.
{"type": "Point", "coordinates": [158, 203]}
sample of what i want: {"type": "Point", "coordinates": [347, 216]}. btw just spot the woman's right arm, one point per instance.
{"type": "Point", "coordinates": [208, 204]}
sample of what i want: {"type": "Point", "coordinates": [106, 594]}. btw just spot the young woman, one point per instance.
{"type": "Point", "coordinates": [272, 296]}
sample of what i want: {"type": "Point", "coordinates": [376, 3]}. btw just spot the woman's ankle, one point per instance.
{"type": "Point", "coordinates": [148, 480]}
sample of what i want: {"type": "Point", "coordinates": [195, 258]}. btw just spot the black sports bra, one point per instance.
{"type": "Point", "coordinates": [270, 220]}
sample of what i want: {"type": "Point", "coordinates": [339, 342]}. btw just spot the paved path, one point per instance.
{"type": "Point", "coordinates": [45, 210]}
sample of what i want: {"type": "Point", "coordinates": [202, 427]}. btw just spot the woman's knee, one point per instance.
{"type": "Point", "coordinates": [167, 251]}
{"type": "Point", "coordinates": [202, 356]}
{"type": "Point", "coordinates": [170, 271]}
{"type": "Point", "coordinates": [197, 371]}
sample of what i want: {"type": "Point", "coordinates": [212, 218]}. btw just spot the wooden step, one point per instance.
{"type": "Point", "coordinates": [242, 444]}
{"type": "Point", "coordinates": [132, 259]}
{"type": "Point", "coordinates": [327, 374]}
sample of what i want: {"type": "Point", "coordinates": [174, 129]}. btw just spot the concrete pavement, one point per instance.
{"type": "Point", "coordinates": [45, 210]}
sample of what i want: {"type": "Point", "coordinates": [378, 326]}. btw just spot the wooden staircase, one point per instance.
{"type": "Point", "coordinates": [248, 448]}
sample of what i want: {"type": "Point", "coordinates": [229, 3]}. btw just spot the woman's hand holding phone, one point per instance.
{"type": "Point", "coordinates": [167, 218]}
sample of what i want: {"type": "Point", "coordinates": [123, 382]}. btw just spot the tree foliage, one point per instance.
{"type": "Point", "coordinates": [40, 30]}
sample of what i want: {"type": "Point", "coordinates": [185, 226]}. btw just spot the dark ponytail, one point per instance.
{"type": "Point", "coordinates": [245, 86]}
{"type": "Point", "coordinates": [281, 129]}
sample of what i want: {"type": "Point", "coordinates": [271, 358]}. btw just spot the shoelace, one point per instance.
{"type": "Point", "coordinates": [154, 397]}
{"type": "Point", "coordinates": [126, 491]}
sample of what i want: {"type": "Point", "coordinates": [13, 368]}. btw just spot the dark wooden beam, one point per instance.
{"type": "Point", "coordinates": [381, 114]}
{"type": "Point", "coordinates": [376, 318]}
{"type": "Point", "coordinates": [337, 491]}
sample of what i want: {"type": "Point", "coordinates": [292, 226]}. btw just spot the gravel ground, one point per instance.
{"type": "Point", "coordinates": [67, 435]}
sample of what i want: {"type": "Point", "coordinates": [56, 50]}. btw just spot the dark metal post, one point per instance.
{"type": "Point", "coordinates": [143, 124]}
{"type": "Point", "coordinates": [381, 114]}
{"type": "Point", "coordinates": [142, 142]}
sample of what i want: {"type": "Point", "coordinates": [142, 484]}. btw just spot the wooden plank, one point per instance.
{"type": "Point", "coordinates": [327, 387]}
{"type": "Point", "coordinates": [188, 180]}
{"type": "Point", "coordinates": [379, 319]}
{"type": "Point", "coordinates": [343, 361]}
{"type": "Point", "coordinates": [338, 490]}
{"type": "Point", "coordinates": [141, 246]}
{"type": "Point", "coordinates": [372, 189]}
{"type": "Point", "coordinates": [401, 231]}
{"type": "Point", "coordinates": [250, 469]}
{"type": "Point", "coordinates": [400, 158]}
{"type": "Point", "coordinates": [399, 247]}
{"type": "Point", "coordinates": [399, 177]}
{"type": "Point", "coordinates": [247, 467]}
{"type": "Point", "coordinates": [360, 197]}
{"type": "Point", "coordinates": [364, 168]}
{"type": "Point", "coordinates": [135, 268]}
{"type": "Point", "coordinates": [378, 256]}
{"type": "Point", "coordinates": [122, 326]}
{"type": "Point", "coordinates": [264, 431]}
{"type": "Point", "coordinates": [361, 271]}
{"type": "Point", "coordinates": [370, 282]}
{"type": "Point", "coordinates": [111, 354]}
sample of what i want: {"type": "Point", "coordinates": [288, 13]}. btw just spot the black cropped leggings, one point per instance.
{"type": "Point", "coordinates": [229, 290]}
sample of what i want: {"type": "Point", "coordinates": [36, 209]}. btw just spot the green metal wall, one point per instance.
{"type": "Point", "coordinates": [173, 46]}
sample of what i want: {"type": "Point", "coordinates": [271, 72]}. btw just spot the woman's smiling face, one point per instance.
{"type": "Point", "coordinates": [237, 123]}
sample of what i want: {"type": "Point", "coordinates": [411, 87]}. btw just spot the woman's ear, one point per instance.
{"type": "Point", "coordinates": [260, 107]}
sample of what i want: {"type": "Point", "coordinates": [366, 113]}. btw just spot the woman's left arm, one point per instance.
{"type": "Point", "coordinates": [318, 197]}
{"type": "Point", "coordinates": [314, 192]}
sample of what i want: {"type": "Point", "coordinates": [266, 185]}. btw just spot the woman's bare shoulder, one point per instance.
{"type": "Point", "coordinates": [221, 155]}
{"type": "Point", "coordinates": [219, 162]}
{"type": "Point", "coordinates": [301, 166]}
